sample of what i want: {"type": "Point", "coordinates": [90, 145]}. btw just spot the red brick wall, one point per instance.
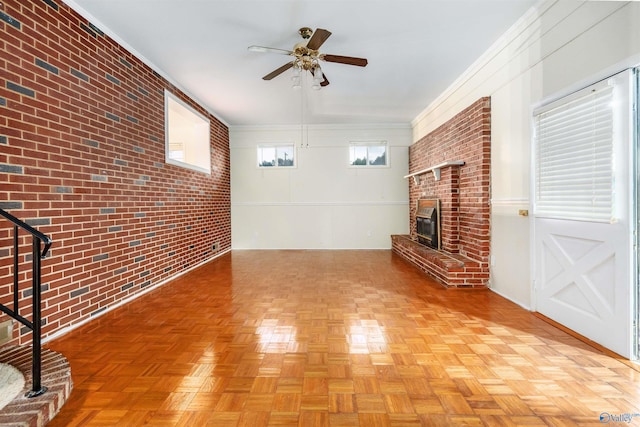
{"type": "Point", "coordinates": [82, 159]}
{"type": "Point", "coordinates": [464, 190]}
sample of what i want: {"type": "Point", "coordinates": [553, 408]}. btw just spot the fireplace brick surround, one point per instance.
{"type": "Point", "coordinates": [463, 261]}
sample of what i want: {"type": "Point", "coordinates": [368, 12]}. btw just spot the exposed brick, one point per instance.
{"type": "Point", "coordinates": [34, 222]}
{"type": "Point", "coordinates": [112, 116]}
{"type": "Point", "coordinates": [56, 376]}
{"type": "Point", "coordinates": [20, 89]}
{"type": "Point", "coordinates": [98, 311]}
{"type": "Point", "coordinates": [79, 74]}
{"type": "Point", "coordinates": [10, 205]}
{"type": "Point", "coordinates": [126, 63]}
{"type": "Point", "coordinates": [70, 160]}
{"type": "Point", "coordinates": [46, 66]}
{"type": "Point", "coordinates": [112, 79]}
{"type": "Point", "coordinates": [463, 191]}
{"type": "Point", "coordinates": [88, 30]}
{"type": "Point", "coordinates": [51, 4]}
{"type": "Point", "coordinates": [78, 292]}
{"type": "Point", "coordinates": [96, 29]}
{"type": "Point", "coordinates": [9, 20]}
{"type": "Point", "coordinates": [100, 257]}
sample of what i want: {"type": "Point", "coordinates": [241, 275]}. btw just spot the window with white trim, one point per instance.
{"type": "Point", "coordinates": [363, 154]}
{"type": "Point", "coordinates": [574, 156]}
{"type": "Point", "coordinates": [187, 135]}
{"type": "Point", "coordinates": [276, 155]}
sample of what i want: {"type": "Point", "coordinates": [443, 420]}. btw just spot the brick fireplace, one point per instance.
{"type": "Point", "coordinates": [452, 165]}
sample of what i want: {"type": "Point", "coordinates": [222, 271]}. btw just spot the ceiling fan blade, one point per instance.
{"type": "Point", "coordinates": [255, 48]}
{"type": "Point", "coordinates": [278, 71]}
{"type": "Point", "coordinates": [324, 82]}
{"type": "Point", "coordinates": [349, 60]}
{"type": "Point", "coordinates": [319, 36]}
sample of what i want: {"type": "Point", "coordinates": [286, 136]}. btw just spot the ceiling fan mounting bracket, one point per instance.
{"type": "Point", "coordinates": [305, 32]}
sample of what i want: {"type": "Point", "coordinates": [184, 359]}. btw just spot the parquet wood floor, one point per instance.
{"type": "Point", "coordinates": [333, 338]}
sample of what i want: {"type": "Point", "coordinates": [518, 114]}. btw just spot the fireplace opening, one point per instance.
{"type": "Point", "coordinates": [428, 222]}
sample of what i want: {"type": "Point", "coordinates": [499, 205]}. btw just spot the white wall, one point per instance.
{"type": "Point", "coordinates": [322, 203]}
{"type": "Point", "coordinates": [557, 48]}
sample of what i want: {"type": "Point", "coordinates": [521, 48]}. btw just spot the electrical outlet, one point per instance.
{"type": "Point", "coordinates": [6, 331]}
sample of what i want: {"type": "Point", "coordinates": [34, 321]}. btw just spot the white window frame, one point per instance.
{"type": "Point", "coordinates": [187, 135]}
{"type": "Point", "coordinates": [366, 145]}
{"type": "Point", "coordinates": [276, 146]}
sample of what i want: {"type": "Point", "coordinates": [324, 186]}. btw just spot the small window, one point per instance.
{"type": "Point", "coordinates": [274, 156]}
{"type": "Point", "coordinates": [368, 154]}
{"type": "Point", "coordinates": [187, 136]}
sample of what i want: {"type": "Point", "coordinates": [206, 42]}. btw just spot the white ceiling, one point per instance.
{"type": "Point", "coordinates": [415, 49]}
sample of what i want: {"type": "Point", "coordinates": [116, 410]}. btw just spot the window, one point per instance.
{"type": "Point", "coordinates": [282, 155]}
{"type": "Point", "coordinates": [368, 154]}
{"type": "Point", "coordinates": [574, 157]}
{"type": "Point", "coordinates": [187, 135]}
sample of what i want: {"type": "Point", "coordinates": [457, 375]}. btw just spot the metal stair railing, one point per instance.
{"type": "Point", "coordinates": [38, 252]}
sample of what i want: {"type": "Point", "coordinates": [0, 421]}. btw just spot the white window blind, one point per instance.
{"type": "Point", "coordinates": [574, 158]}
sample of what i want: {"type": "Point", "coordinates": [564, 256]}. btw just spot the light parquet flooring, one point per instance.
{"type": "Point", "coordinates": [332, 338]}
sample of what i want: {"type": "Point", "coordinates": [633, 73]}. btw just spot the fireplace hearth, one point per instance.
{"type": "Point", "coordinates": [428, 222]}
{"type": "Point", "coordinates": [451, 171]}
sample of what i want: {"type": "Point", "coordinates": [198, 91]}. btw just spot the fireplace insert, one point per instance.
{"type": "Point", "coordinates": [428, 222]}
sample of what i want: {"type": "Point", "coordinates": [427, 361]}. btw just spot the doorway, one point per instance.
{"type": "Point", "coordinates": [585, 213]}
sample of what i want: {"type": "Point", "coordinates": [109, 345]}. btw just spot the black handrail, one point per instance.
{"type": "Point", "coordinates": [36, 324]}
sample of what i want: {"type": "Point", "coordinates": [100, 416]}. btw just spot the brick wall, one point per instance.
{"type": "Point", "coordinates": [82, 159]}
{"type": "Point", "coordinates": [464, 191]}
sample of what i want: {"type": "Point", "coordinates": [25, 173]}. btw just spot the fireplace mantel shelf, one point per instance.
{"type": "Point", "coordinates": [435, 169]}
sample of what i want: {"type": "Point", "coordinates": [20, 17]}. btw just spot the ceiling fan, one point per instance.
{"type": "Point", "coordinates": [306, 57]}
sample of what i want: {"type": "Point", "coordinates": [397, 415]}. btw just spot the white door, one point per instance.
{"type": "Point", "coordinates": [583, 219]}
